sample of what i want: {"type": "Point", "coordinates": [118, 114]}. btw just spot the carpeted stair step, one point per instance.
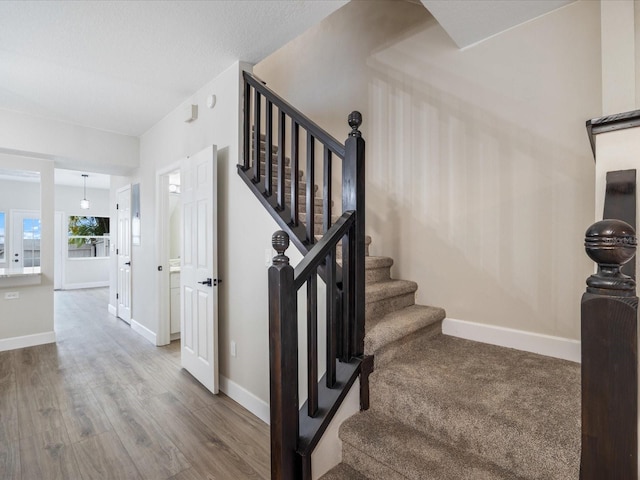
{"type": "Point", "coordinates": [274, 171]}
{"type": "Point", "coordinates": [342, 471]}
{"type": "Point", "coordinates": [377, 269]}
{"type": "Point", "coordinates": [274, 158]}
{"type": "Point", "coordinates": [367, 243]}
{"type": "Point", "coordinates": [516, 409]}
{"type": "Point", "coordinates": [382, 298]}
{"type": "Point", "coordinates": [318, 226]}
{"type": "Point", "coordinates": [386, 336]}
{"type": "Point", "coordinates": [301, 192]}
{"type": "Point", "coordinates": [379, 447]}
{"type": "Point", "coordinates": [263, 144]}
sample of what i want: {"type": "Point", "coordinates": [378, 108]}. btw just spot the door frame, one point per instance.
{"type": "Point", "coordinates": [118, 246]}
{"type": "Point", "coordinates": [59, 256]}
{"type": "Point", "coordinates": [163, 336]}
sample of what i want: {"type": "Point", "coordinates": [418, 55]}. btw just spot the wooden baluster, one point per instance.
{"type": "Point", "coordinates": [312, 344]}
{"type": "Point", "coordinates": [353, 196]}
{"type": "Point", "coordinates": [281, 141]}
{"type": "Point", "coordinates": [326, 192]}
{"type": "Point", "coordinates": [256, 136]}
{"type": "Point", "coordinates": [283, 363]}
{"type": "Point", "coordinates": [332, 307]}
{"type": "Point", "coordinates": [295, 168]}
{"type": "Point", "coordinates": [348, 295]}
{"type": "Point", "coordinates": [610, 357]}
{"type": "Point", "coordinates": [247, 125]}
{"type": "Point", "coordinates": [311, 180]}
{"type": "Point", "coordinates": [268, 156]}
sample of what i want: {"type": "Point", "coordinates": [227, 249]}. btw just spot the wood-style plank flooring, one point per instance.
{"type": "Point", "coordinates": [103, 403]}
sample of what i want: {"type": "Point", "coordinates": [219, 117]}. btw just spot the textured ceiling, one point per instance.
{"type": "Point", "coordinates": [123, 65]}
{"type": "Point", "coordinates": [468, 22]}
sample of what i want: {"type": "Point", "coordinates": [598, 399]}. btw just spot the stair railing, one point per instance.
{"type": "Point", "coordinates": [295, 431]}
{"type": "Point", "coordinates": [610, 357]}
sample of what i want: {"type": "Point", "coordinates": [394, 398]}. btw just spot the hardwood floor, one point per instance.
{"type": "Point", "coordinates": [103, 403]}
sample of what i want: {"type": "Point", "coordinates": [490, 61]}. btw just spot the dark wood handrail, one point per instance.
{"type": "Point", "coordinates": [611, 123]}
{"type": "Point", "coordinates": [322, 135]}
{"type": "Point", "coordinates": [317, 255]}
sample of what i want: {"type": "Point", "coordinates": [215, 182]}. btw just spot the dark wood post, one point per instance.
{"type": "Point", "coordinates": [610, 357]}
{"type": "Point", "coordinates": [283, 363]}
{"type": "Point", "coordinates": [353, 198]}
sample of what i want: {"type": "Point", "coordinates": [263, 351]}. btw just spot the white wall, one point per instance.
{"type": "Point", "coordinates": [82, 272]}
{"type": "Point", "coordinates": [33, 143]}
{"type": "Point", "coordinates": [244, 232]}
{"type": "Point", "coordinates": [71, 146]}
{"type": "Point", "coordinates": [29, 319]}
{"type": "Point", "coordinates": [479, 172]}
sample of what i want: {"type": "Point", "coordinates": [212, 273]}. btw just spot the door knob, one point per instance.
{"type": "Point", "coordinates": [208, 282]}
{"type": "Point", "coordinates": [128, 263]}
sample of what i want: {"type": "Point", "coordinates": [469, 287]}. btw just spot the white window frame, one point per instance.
{"type": "Point", "coordinates": [3, 259]}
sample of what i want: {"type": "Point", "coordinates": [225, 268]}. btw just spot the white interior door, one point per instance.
{"type": "Point", "coordinates": [25, 239]}
{"type": "Point", "coordinates": [199, 268]}
{"type": "Point", "coordinates": [123, 252]}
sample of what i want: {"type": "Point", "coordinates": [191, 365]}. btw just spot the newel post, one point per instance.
{"type": "Point", "coordinates": [283, 362]}
{"type": "Point", "coordinates": [353, 198]}
{"type": "Point", "coordinates": [610, 357]}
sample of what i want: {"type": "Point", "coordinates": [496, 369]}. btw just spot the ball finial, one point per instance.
{"type": "Point", "coordinates": [610, 243]}
{"type": "Point", "coordinates": [355, 120]}
{"type": "Point", "coordinates": [280, 243]}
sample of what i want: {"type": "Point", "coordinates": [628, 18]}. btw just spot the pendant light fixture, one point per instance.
{"type": "Point", "coordinates": [84, 203]}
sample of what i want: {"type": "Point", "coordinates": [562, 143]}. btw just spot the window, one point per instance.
{"type": "Point", "coordinates": [88, 237]}
{"type": "Point", "coordinates": [3, 257]}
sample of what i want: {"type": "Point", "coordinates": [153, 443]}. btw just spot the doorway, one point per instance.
{"type": "Point", "coordinates": [169, 241]}
{"type": "Point", "coordinates": [25, 242]}
{"type": "Point", "coordinates": [123, 252]}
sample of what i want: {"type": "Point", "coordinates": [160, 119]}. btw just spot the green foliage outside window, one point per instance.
{"type": "Point", "coordinates": [88, 236]}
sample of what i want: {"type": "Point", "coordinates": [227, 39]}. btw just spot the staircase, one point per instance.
{"type": "Point", "coordinates": [446, 408]}
{"type": "Point", "coordinates": [440, 407]}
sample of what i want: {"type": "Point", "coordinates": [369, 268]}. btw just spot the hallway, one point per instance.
{"type": "Point", "coordinates": [103, 403]}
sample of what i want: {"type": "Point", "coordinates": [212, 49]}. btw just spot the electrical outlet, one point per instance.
{"type": "Point", "coordinates": [234, 349]}
{"type": "Point", "coordinates": [11, 295]}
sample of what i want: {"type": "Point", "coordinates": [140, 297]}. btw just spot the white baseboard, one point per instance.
{"type": "Point", "coordinates": [548, 345]}
{"type": "Point", "coordinates": [78, 286]}
{"type": "Point", "coordinates": [27, 341]}
{"type": "Point", "coordinates": [245, 398]}
{"type": "Point", "coordinates": [143, 331]}
{"type": "Point", "coordinates": [112, 310]}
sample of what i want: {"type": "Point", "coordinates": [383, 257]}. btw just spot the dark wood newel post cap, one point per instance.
{"type": "Point", "coordinates": [610, 243]}
{"type": "Point", "coordinates": [280, 242]}
{"type": "Point", "coordinates": [355, 120]}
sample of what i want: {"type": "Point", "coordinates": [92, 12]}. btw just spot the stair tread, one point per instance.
{"type": "Point", "coordinates": [375, 292]}
{"type": "Point", "coordinates": [396, 325]}
{"type": "Point", "coordinates": [519, 409]}
{"type": "Point", "coordinates": [342, 471]}
{"type": "Point", "coordinates": [373, 262]}
{"type": "Point", "coordinates": [388, 449]}
{"type": "Point", "coordinates": [367, 239]}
